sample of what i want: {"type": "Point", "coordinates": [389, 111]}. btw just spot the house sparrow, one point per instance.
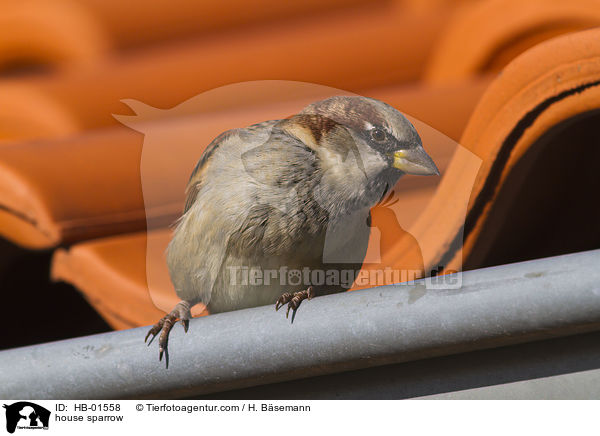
{"type": "Point", "coordinates": [287, 198]}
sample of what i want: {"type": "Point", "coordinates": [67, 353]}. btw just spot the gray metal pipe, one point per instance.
{"type": "Point", "coordinates": [496, 306]}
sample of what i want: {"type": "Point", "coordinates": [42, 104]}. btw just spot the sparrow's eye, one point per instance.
{"type": "Point", "coordinates": [378, 135]}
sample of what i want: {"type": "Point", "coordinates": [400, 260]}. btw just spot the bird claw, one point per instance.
{"type": "Point", "coordinates": [284, 299]}
{"type": "Point", "coordinates": [293, 300]}
{"type": "Point", "coordinates": [164, 326]}
{"type": "Point", "coordinates": [154, 331]}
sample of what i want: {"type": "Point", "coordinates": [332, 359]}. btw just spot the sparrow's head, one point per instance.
{"type": "Point", "coordinates": [376, 125]}
{"type": "Point", "coordinates": [363, 144]}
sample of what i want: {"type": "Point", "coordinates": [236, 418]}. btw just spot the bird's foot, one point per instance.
{"type": "Point", "coordinates": [293, 300]}
{"type": "Point", "coordinates": [165, 324]}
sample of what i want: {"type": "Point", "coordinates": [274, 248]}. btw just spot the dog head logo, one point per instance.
{"type": "Point", "coordinates": [26, 415]}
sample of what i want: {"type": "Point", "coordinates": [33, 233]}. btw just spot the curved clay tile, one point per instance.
{"type": "Point", "coordinates": [47, 34]}
{"type": "Point", "coordinates": [111, 273]}
{"type": "Point", "coordinates": [530, 132]}
{"type": "Point", "coordinates": [316, 51]}
{"type": "Point", "coordinates": [28, 114]}
{"type": "Point", "coordinates": [81, 187]}
{"type": "Point", "coordinates": [485, 36]}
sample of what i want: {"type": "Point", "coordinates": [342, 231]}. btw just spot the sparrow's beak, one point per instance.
{"type": "Point", "coordinates": [415, 161]}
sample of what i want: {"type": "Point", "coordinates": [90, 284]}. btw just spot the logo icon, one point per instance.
{"type": "Point", "coordinates": [26, 415]}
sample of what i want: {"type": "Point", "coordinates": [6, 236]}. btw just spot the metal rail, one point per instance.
{"type": "Point", "coordinates": [496, 306]}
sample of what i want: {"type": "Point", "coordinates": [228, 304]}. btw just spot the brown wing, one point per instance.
{"type": "Point", "coordinates": [195, 182]}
